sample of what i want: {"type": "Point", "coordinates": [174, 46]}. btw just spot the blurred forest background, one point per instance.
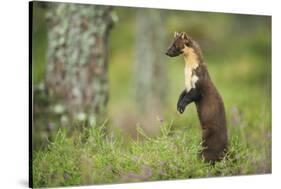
{"type": "Point", "coordinates": [97, 65]}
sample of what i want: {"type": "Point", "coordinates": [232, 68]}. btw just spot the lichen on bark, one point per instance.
{"type": "Point", "coordinates": [77, 75]}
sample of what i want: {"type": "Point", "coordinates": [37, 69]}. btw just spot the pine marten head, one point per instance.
{"type": "Point", "coordinates": [184, 44]}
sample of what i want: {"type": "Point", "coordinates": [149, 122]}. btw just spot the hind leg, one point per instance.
{"type": "Point", "coordinates": [211, 156]}
{"type": "Point", "coordinates": [214, 144]}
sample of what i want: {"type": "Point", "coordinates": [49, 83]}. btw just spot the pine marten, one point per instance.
{"type": "Point", "coordinates": [200, 89]}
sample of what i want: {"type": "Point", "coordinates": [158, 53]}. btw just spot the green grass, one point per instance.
{"type": "Point", "coordinates": [105, 159]}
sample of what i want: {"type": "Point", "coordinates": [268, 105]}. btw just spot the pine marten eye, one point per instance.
{"type": "Point", "coordinates": [188, 43]}
{"type": "Point", "coordinates": [175, 47]}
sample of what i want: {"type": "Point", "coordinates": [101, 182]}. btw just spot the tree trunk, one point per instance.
{"type": "Point", "coordinates": [150, 68]}
{"type": "Point", "coordinates": [77, 58]}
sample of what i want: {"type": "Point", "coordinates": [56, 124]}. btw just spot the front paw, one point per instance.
{"type": "Point", "coordinates": [180, 107]}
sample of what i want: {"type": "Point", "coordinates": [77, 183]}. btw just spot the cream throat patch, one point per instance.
{"type": "Point", "coordinates": [191, 63]}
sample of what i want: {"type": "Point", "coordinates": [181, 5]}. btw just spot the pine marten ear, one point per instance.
{"type": "Point", "coordinates": [176, 34]}
{"type": "Point", "coordinates": [184, 35]}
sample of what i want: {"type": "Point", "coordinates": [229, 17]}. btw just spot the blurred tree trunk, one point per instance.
{"type": "Point", "coordinates": [77, 58]}
{"type": "Point", "coordinates": [150, 67]}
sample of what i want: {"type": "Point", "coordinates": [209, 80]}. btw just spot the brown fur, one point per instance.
{"type": "Point", "coordinates": [212, 118]}
{"type": "Point", "coordinates": [210, 106]}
